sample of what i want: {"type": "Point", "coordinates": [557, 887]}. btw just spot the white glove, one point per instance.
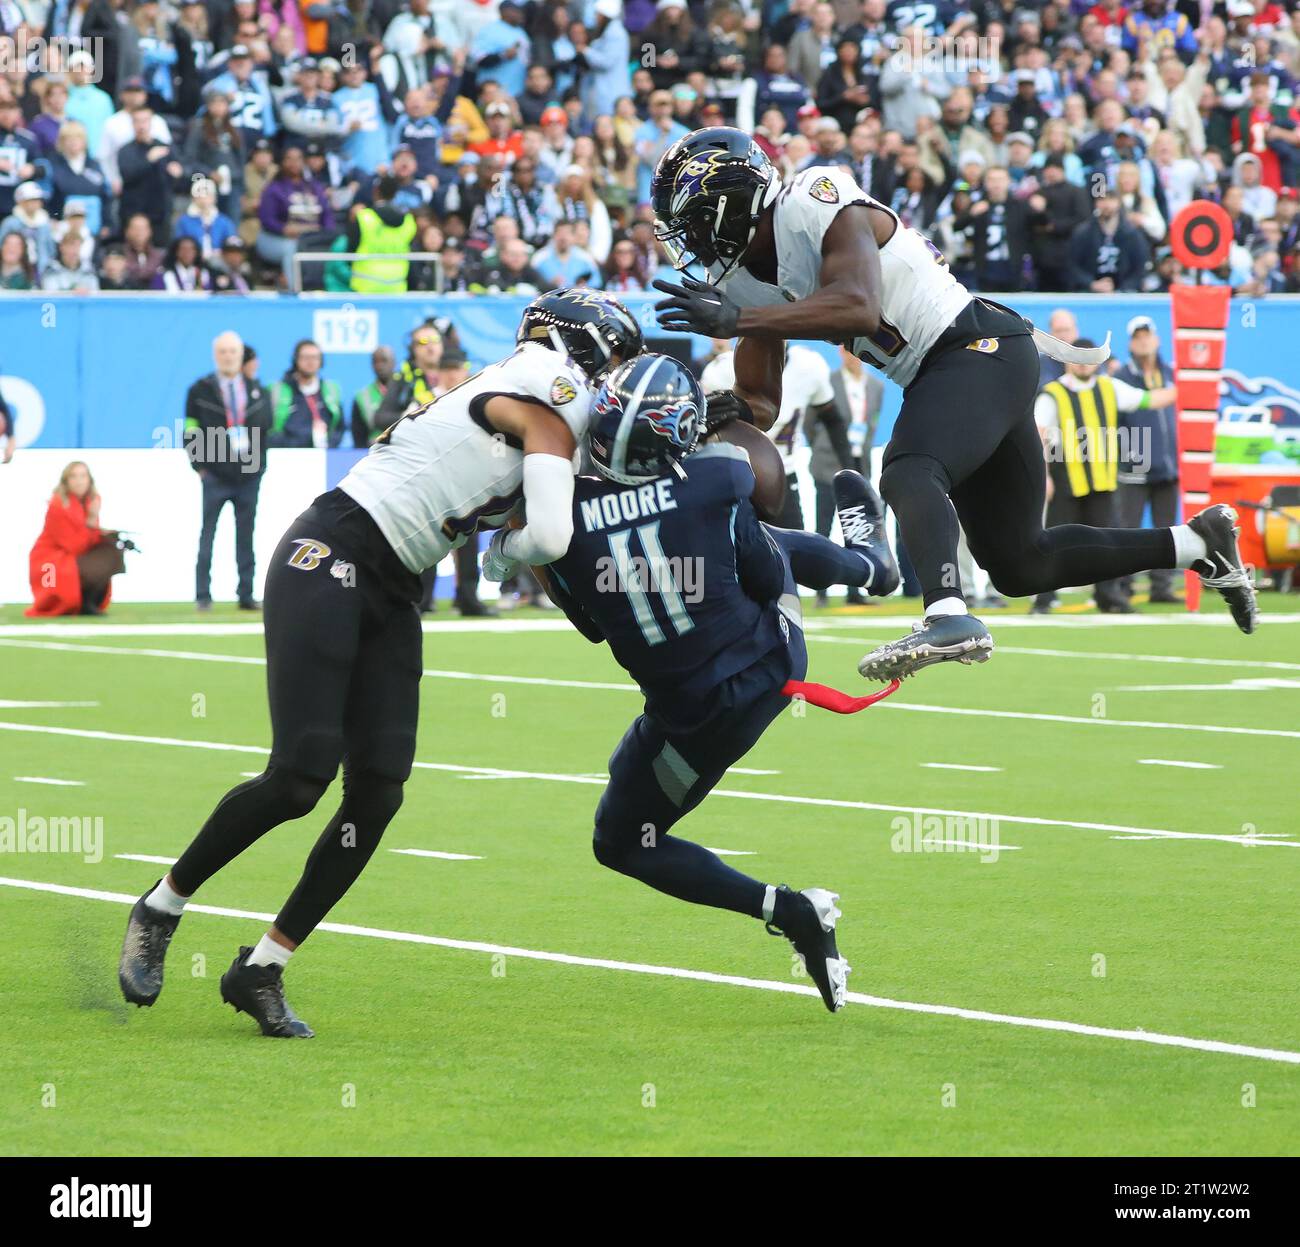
{"type": "Point", "coordinates": [497, 565]}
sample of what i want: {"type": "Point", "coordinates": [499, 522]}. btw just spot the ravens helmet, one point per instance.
{"type": "Point", "coordinates": [709, 190]}
{"type": "Point", "coordinates": [646, 417]}
{"type": "Point", "coordinates": [595, 330]}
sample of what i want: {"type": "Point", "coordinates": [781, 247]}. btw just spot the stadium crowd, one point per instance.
{"type": "Point", "coordinates": [145, 145]}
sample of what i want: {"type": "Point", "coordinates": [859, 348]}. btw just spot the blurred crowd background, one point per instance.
{"type": "Point", "coordinates": [146, 145]}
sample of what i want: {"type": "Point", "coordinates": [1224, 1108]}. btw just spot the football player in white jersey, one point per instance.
{"type": "Point", "coordinates": [343, 639]}
{"type": "Point", "coordinates": [821, 259]}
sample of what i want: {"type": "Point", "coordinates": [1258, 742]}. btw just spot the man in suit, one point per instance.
{"type": "Point", "coordinates": [227, 418]}
{"type": "Point", "coordinates": [858, 392]}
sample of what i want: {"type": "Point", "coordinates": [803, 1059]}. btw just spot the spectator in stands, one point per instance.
{"type": "Point", "coordinates": [68, 272]}
{"type": "Point", "coordinates": [149, 170]}
{"type": "Point", "coordinates": [306, 408]}
{"type": "Point", "coordinates": [183, 269]}
{"type": "Point", "coordinates": [227, 416]}
{"type": "Point", "coordinates": [31, 221]}
{"type": "Point", "coordinates": [654, 137]}
{"type": "Point", "coordinates": [230, 268]}
{"type": "Point", "coordinates": [203, 221]}
{"type": "Point", "coordinates": [1258, 200]}
{"type": "Point", "coordinates": [999, 228]}
{"type": "Point", "coordinates": [381, 228]}
{"type": "Point", "coordinates": [1106, 253]}
{"type": "Point", "coordinates": [307, 113]}
{"type": "Point", "coordinates": [76, 178]}
{"type": "Point", "coordinates": [293, 208]}
{"type": "Point", "coordinates": [143, 258]}
{"type": "Point", "coordinates": [62, 577]}
{"type": "Point", "coordinates": [54, 112]}
{"type": "Point", "coordinates": [624, 270]}
{"type": "Point", "coordinates": [560, 263]}
{"type": "Point", "coordinates": [519, 196]}
{"type": "Point", "coordinates": [907, 91]}
{"type": "Point", "coordinates": [1140, 208]}
{"type": "Point", "coordinates": [1056, 210]}
{"type": "Point", "coordinates": [606, 55]}
{"type": "Point", "coordinates": [512, 273]}
{"type": "Point", "coordinates": [87, 102]}
{"type": "Point", "coordinates": [16, 269]}
{"type": "Point", "coordinates": [366, 425]}
{"type": "Point", "coordinates": [214, 149]}
{"type": "Point", "coordinates": [252, 109]}
{"type": "Point", "coordinates": [20, 152]}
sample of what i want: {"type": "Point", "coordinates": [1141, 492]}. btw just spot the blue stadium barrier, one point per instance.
{"type": "Point", "coordinates": [112, 370]}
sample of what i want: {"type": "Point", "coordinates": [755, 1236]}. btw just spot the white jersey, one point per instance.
{"type": "Point", "coordinates": [920, 298]}
{"type": "Point", "coordinates": [442, 471]}
{"type": "Point", "coordinates": [805, 383]}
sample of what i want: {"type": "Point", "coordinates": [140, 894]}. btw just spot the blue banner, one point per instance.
{"type": "Point", "coordinates": [112, 371]}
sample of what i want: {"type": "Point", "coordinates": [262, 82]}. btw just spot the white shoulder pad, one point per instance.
{"type": "Point", "coordinates": [815, 198]}
{"type": "Point", "coordinates": [537, 372]}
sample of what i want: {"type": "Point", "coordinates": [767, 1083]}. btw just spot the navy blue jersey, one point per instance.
{"type": "Point", "coordinates": [679, 576]}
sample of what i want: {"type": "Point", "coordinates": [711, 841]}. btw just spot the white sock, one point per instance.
{"type": "Point", "coordinates": [946, 606]}
{"type": "Point", "coordinates": [1188, 547]}
{"type": "Point", "coordinates": [769, 903]}
{"type": "Point", "coordinates": [166, 901]}
{"type": "Point", "coordinates": [269, 953]}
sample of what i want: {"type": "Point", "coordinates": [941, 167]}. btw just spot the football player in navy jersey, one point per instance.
{"type": "Point", "coordinates": [696, 598]}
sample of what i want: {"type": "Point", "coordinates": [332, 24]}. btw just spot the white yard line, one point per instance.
{"type": "Point", "coordinates": [489, 678]}
{"type": "Point", "coordinates": [146, 857]}
{"type": "Point", "coordinates": [733, 852]}
{"type": "Point", "coordinates": [1191, 766]}
{"type": "Point", "coordinates": [897, 623]}
{"type": "Point", "coordinates": [45, 779]}
{"type": "Point", "coordinates": [738, 794]}
{"type": "Point", "coordinates": [959, 766]}
{"type": "Point", "coordinates": [450, 857]}
{"type": "Point", "coordinates": [6, 704]}
{"type": "Point", "coordinates": [1155, 1038]}
{"type": "Point", "coordinates": [1260, 684]}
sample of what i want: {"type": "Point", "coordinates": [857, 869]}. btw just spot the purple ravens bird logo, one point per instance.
{"type": "Point", "coordinates": [693, 177]}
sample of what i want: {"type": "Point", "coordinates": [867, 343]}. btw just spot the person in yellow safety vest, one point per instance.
{"type": "Point", "coordinates": [1079, 419]}
{"type": "Point", "coordinates": [379, 228]}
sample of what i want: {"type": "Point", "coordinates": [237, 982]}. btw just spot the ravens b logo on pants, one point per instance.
{"type": "Point", "coordinates": [307, 557]}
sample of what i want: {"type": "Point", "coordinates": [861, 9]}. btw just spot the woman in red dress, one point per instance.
{"type": "Point", "coordinates": [71, 530]}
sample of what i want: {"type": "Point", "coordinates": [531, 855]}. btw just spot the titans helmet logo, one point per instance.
{"type": "Point", "coordinates": [677, 421]}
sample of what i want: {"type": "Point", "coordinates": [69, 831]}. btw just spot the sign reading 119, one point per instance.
{"type": "Point", "coordinates": [345, 330]}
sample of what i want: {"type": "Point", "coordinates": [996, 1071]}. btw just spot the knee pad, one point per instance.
{"type": "Point", "coordinates": [294, 793]}
{"type": "Point", "coordinates": [372, 800]}
{"type": "Point", "coordinates": [900, 477]}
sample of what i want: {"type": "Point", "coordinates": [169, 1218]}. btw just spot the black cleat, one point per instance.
{"type": "Point", "coordinates": [941, 638]}
{"type": "Point", "coordinates": [1222, 568]}
{"type": "Point", "coordinates": [259, 992]}
{"type": "Point", "coordinates": [811, 929]}
{"type": "Point", "coordinates": [862, 522]}
{"type": "Point", "coordinates": [140, 971]}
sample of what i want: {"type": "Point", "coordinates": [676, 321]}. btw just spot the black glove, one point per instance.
{"type": "Point", "coordinates": [724, 407]}
{"type": "Point", "coordinates": [696, 307]}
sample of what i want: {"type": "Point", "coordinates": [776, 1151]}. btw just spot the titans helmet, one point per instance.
{"type": "Point", "coordinates": [648, 415]}
{"type": "Point", "coordinates": [708, 192]}
{"type": "Point", "coordinates": [595, 330]}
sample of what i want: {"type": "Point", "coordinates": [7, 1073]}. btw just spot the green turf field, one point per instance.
{"type": "Point", "coordinates": [1135, 902]}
